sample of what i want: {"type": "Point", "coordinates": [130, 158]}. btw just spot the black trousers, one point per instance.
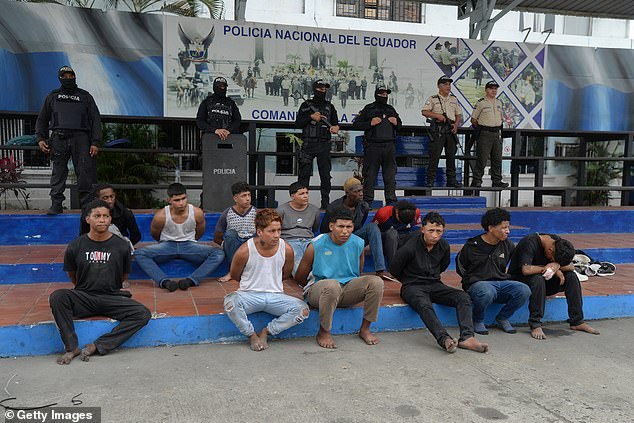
{"type": "Point", "coordinates": [421, 297]}
{"type": "Point", "coordinates": [392, 241]}
{"type": "Point", "coordinates": [541, 288]}
{"type": "Point", "coordinates": [69, 304]}
{"type": "Point", "coordinates": [440, 140]}
{"type": "Point", "coordinates": [321, 150]}
{"type": "Point", "coordinates": [379, 155]}
{"type": "Point", "coordinates": [75, 146]}
{"type": "Point", "coordinates": [489, 145]}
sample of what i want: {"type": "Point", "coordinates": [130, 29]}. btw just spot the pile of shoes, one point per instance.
{"type": "Point", "coordinates": [586, 266]}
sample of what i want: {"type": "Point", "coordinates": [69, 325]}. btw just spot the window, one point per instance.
{"type": "Point", "coordinates": [385, 10]}
{"type": "Point", "coordinates": [348, 8]}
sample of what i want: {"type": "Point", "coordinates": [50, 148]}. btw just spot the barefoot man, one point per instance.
{"type": "Point", "coordinates": [544, 263]}
{"type": "Point", "coordinates": [418, 265]}
{"type": "Point", "coordinates": [336, 261]}
{"type": "Point", "coordinates": [260, 265]}
{"type": "Point", "coordinates": [97, 263]}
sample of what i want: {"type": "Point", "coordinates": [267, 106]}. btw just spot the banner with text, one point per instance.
{"type": "Point", "coordinates": [271, 69]}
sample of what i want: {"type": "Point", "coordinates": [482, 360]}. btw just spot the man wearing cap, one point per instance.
{"type": "Point", "coordinates": [219, 114]}
{"type": "Point", "coordinates": [487, 119]}
{"type": "Point", "coordinates": [379, 121]}
{"type": "Point", "coordinates": [75, 123]}
{"type": "Point", "coordinates": [445, 113]}
{"type": "Point", "coordinates": [368, 232]}
{"type": "Point", "coordinates": [447, 61]}
{"type": "Point", "coordinates": [318, 119]}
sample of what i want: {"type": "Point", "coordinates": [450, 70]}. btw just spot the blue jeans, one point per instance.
{"type": "Point", "coordinates": [299, 246]}
{"type": "Point", "coordinates": [232, 242]}
{"type": "Point", "coordinates": [371, 234]}
{"type": "Point", "coordinates": [207, 258]}
{"type": "Point", "coordinates": [512, 294]}
{"type": "Point", "coordinates": [290, 311]}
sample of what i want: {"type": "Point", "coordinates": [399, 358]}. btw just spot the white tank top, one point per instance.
{"type": "Point", "coordinates": [263, 274]}
{"type": "Point", "coordinates": [185, 231]}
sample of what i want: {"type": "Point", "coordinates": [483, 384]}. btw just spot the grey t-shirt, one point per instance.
{"type": "Point", "coordinates": [299, 224]}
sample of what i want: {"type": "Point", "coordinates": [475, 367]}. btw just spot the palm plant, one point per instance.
{"type": "Point", "coordinates": [601, 173]}
{"type": "Point", "coordinates": [215, 8]}
{"type": "Point", "coordinates": [133, 168]}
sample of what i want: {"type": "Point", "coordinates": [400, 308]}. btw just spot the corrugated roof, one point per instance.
{"type": "Point", "coordinates": [615, 9]}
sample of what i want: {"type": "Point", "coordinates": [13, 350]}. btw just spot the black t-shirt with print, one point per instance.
{"type": "Point", "coordinates": [100, 265]}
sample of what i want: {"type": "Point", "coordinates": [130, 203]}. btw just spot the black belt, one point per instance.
{"type": "Point", "coordinates": [490, 128]}
{"type": "Point", "coordinates": [65, 133]}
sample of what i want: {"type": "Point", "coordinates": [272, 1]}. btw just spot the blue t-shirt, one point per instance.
{"type": "Point", "coordinates": [339, 262]}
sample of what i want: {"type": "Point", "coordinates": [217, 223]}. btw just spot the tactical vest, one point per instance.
{"type": "Point", "coordinates": [219, 115]}
{"type": "Point", "coordinates": [70, 111]}
{"type": "Point", "coordinates": [318, 130]}
{"type": "Point", "coordinates": [384, 131]}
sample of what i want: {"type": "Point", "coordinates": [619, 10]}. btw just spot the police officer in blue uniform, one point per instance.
{"type": "Point", "coordinates": [318, 119]}
{"type": "Point", "coordinates": [380, 122]}
{"type": "Point", "coordinates": [219, 114]}
{"type": "Point", "coordinates": [72, 116]}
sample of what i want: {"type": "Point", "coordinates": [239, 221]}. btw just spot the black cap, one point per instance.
{"type": "Point", "coordinates": [382, 87]}
{"type": "Point", "coordinates": [65, 69]}
{"type": "Point", "coordinates": [321, 83]}
{"type": "Point", "coordinates": [220, 80]}
{"type": "Point", "coordinates": [444, 79]}
{"type": "Point", "coordinates": [491, 84]}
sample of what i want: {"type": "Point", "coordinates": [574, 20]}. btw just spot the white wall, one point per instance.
{"type": "Point", "coordinates": [438, 21]}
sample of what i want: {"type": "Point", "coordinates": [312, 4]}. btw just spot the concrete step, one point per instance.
{"type": "Point", "coordinates": [196, 315]}
{"type": "Point", "coordinates": [428, 203]}
{"type": "Point", "coordinates": [31, 228]}
{"type": "Point", "coordinates": [45, 264]}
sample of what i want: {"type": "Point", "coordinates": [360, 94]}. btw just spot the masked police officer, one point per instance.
{"type": "Point", "coordinates": [487, 119]}
{"type": "Point", "coordinates": [72, 116]}
{"type": "Point", "coordinates": [445, 113]}
{"type": "Point", "coordinates": [219, 114]}
{"type": "Point", "coordinates": [379, 121]}
{"type": "Point", "coordinates": [318, 119]}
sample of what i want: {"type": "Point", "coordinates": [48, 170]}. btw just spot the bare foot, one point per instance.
{"type": "Point", "coordinates": [324, 339]}
{"type": "Point", "coordinates": [264, 338]}
{"type": "Point", "coordinates": [256, 343]}
{"type": "Point", "coordinates": [225, 278]}
{"type": "Point", "coordinates": [368, 337]}
{"type": "Point", "coordinates": [538, 333]}
{"type": "Point", "coordinates": [584, 327]}
{"type": "Point", "coordinates": [87, 351]}
{"type": "Point", "coordinates": [450, 345]}
{"type": "Point", "coordinates": [474, 345]}
{"type": "Point", "coordinates": [67, 357]}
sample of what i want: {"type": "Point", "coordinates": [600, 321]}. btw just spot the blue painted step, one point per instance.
{"type": "Point", "coordinates": [441, 203]}
{"type": "Point", "coordinates": [47, 272]}
{"type": "Point", "coordinates": [61, 229]}
{"type": "Point", "coordinates": [43, 338]}
{"type": "Point", "coordinates": [417, 177]}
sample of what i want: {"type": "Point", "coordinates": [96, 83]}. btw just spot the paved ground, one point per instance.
{"type": "Point", "coordinates": [571, 377]}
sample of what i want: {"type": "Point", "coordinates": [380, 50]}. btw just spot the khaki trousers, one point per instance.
{"type": "Point", "coordinates": [328, 294]}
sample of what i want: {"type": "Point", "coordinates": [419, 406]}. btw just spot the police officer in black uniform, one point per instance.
{"type": "Point", "coordinates": [318, 119]}
{"type": "Point", "coordinates": [219, 114]}
{"type": "Point", "coordinates": [73, 117]}
{"type": "Point", "coordinates": [379, 121]}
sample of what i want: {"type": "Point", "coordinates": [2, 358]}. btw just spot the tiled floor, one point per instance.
{"type": "Point", "coordinates": [28, 304]}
